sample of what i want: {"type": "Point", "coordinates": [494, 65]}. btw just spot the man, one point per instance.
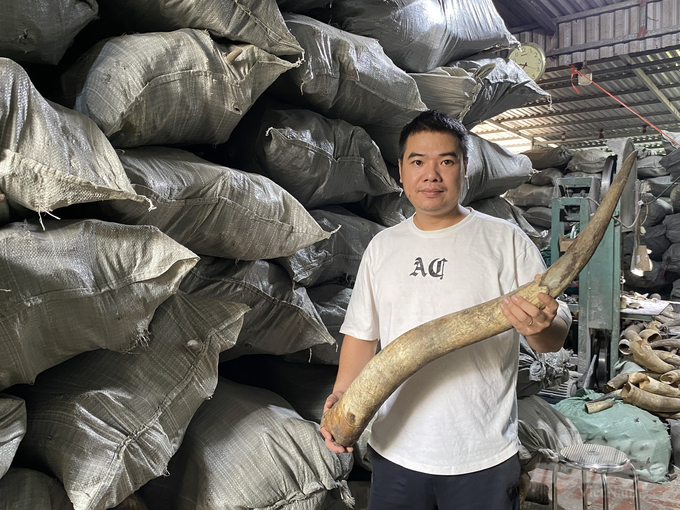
{"type": "Point", "coordinates": [447, 438]}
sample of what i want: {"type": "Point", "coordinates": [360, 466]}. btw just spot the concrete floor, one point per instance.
{"type": "Point", "coordinates": [653, 496]}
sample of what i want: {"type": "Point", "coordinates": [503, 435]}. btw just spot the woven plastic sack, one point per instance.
{"type": "Point", "coordinates": [41, 31]}
{"type": "Point", "coordinates": [540, 217]}
{"type": "Point", "coordinates": [668, 142]}
{"type": "Point", "coordinates": [671, 162]}
{"type": "Point", "coordinates": [345, 76]}
{"type": "Point", "coordinates": [654, 210]}
{"type": "Point", "coordinates": [419, 35]}
{"type": "Point", "coordinates": [590, 161]}
{"type": "Point", "coordinates": [650, 281]}
{"type": "Point", "coordinates": [26, 489]}
{"type": "Point", "coordinates": [169, 88]}
{"type": "Point", "coordinates": [671, 258]}
{"type": "Point", "coordinates": [79, 286]}
{"type": "Point", "coordinates": [304, 386]}
{"type": "Point", "coordinates": [257, 22]}
{"type": "Point", "coordinates": [637, 433]}
{"type": "Point", "coordinates": [451, 90]}
{"type": "Point", "coordinates": [672, 223]}
{"type": "Point", "coordinates": [650, 166]}
{"type": "Point", "coordinates": [498, 207]}
{"type": "Point", "coordinates": [51, 156]}
{"type": "Point", "coordinates": [543, 432]}
{"type": "Point", "coordinates": [106, 423]}
{"type": "Point", "coordinates": [4, 210]}
{"type": "Point", "coordinates": [504, 86]}
{"type": "Point", "coordinates": [301, 6]}
{"type": "Point", "coordinates": [247, 448]}
{"type": "Point", "coordinates": [331, 301]}
{"type": "Point", "coordinates": [12, 429]}
{"type": "Point", "coordinates": [546, 177]}
{"type": "Point", "coordinates": [654, 239]}
{"type": "Point", "coordinates": [492, 170]}
{"type": "Point", "coordinates": [659, 186]}
{"type": "Point", "coordinates": [334, 260]}
{"type": "Point", "coordinates": [540, 370]}
{"type": "Point", "coordinates": [211, 209]}
{"type": "Point", "coordinates": [528, 195]}
{"type": "Point", "coordinates": [319, 161]}
{"type": "Point", "coordinates": [282, 318]}
{"type": "Point", "coordinates": [549, 157]}
{"type": "Point", "coordinates": [388, 210]}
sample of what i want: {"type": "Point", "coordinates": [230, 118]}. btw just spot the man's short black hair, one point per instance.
{"type": "Point", "coordinates": [432, 120]}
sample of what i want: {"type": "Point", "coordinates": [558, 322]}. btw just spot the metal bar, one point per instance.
{"type": "Point", "coordinates": [595, 138]}
{"type": "Point", "coordinates": [565, 82]}
{"type": "Point", "coordinates": [536, 11]}
{"type": "Point", "coordinates": [613, 41]}
{"type": "Point", "coordinates": [509, 130]}
{"type": "Point", "coordinates": [600, 121]}
{"type": "Point", "coordinates": [582, 110]}
{"type": "Point", "coordinates": [652, 87]}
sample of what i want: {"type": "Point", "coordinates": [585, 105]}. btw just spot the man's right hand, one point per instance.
{"type": "Point", "coordinates": [328, 437]}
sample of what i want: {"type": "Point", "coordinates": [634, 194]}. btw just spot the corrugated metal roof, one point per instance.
{"type": "Point", "coordinates": [584, 116]}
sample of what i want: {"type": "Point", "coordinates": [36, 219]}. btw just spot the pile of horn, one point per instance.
{"type": "Point", "coordinates": [414, 349]}
{"type": "Point", "coordinates": [656, 389]}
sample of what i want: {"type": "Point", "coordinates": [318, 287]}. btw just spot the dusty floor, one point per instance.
{"type": "Point", "coordinates": [652, 496]}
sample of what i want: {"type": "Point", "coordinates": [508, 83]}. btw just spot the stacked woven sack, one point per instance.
{"type": "Point", "coordinates": [185, 202]}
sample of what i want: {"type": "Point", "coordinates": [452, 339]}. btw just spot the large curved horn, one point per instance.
{"type": "Point", "coordinates": [416, 348]}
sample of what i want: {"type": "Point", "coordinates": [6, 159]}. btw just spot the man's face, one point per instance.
{"type": "Point", "coordinates": [432, 171]}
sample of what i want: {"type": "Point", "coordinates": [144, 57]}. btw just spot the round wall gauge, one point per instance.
{"type": "Point", "coordinates": [531, 58]}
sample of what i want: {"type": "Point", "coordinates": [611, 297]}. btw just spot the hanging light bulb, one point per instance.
{"type": "Point", "coordinates": [586, 76]}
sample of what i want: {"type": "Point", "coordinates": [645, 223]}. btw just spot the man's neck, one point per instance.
{"type": "Point", "coordinates": [427, 222]}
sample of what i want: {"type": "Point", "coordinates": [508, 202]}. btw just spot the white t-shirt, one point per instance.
{"type": "Point", "coordinates": [458, 414]}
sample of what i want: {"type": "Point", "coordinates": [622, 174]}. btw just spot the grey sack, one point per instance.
{"type": "Point", "coordinates": [247, 448]}
{"type": "Point", "coordinates": [319, 161]}
{"type": "Point", "coordinates": [26, 489]}
{"type": "Point", "coordinates": [51, 156]}
{"type": "Point", "coordinates": [79, 286]}
{"type": "Point", "coordinates": [419, 35]}
{"type": "Point", "coordinates": [12, 429]}
{"type": "Point", "coordinates": [106, 423]}
{"type": "Point", "coordinates": [282, 317]}
{"type": "Point", "coordinates": [345, 76]}
{"type": "Point", "coordinates": [257, 22]}
{"type": "Point", "coordinates": [40, 31]}
{"type": "Point", "coordinates": [334, 260]}
{"type": "Point", "coordinates": [211, 209]}
{"type": "Point", "coordinates": [169, 87]}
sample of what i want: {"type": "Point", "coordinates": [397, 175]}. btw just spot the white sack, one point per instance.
{"type": "Point", "coordinates": [80, 286]}
{"type": "Point", "coordinates": [169, 87]}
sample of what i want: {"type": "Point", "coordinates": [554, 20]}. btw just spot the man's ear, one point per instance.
{"type": "Point", "coordinates": [399, 162]}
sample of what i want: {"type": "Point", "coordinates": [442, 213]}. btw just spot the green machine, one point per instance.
{"type": "Point", "coordinates": [600, 282]}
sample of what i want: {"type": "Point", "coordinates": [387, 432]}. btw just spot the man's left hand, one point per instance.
{"type": "Point", "coordinates": [527, 318]}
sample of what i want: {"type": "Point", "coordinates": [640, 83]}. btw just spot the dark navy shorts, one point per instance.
{"type": "Point", "coordinates": [394, 487]}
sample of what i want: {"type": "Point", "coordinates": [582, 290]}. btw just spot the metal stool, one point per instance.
{"type": "Point", "coordinates": [596, 459]}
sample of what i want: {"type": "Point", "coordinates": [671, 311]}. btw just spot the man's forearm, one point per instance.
{"type": "Point", "coordinates": [354, 355]}
{"type": "Point", "coordinates": [550, 339]}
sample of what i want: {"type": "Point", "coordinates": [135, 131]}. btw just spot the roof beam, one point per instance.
{"type": "Point", "coordinates": [536, 11]}
{"type": "Point", "coordinates": [508, 130]}
{"type": "Point", "coordinates": [652, 86]}
{"type": "Point", "coordinates": [554, 113]}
